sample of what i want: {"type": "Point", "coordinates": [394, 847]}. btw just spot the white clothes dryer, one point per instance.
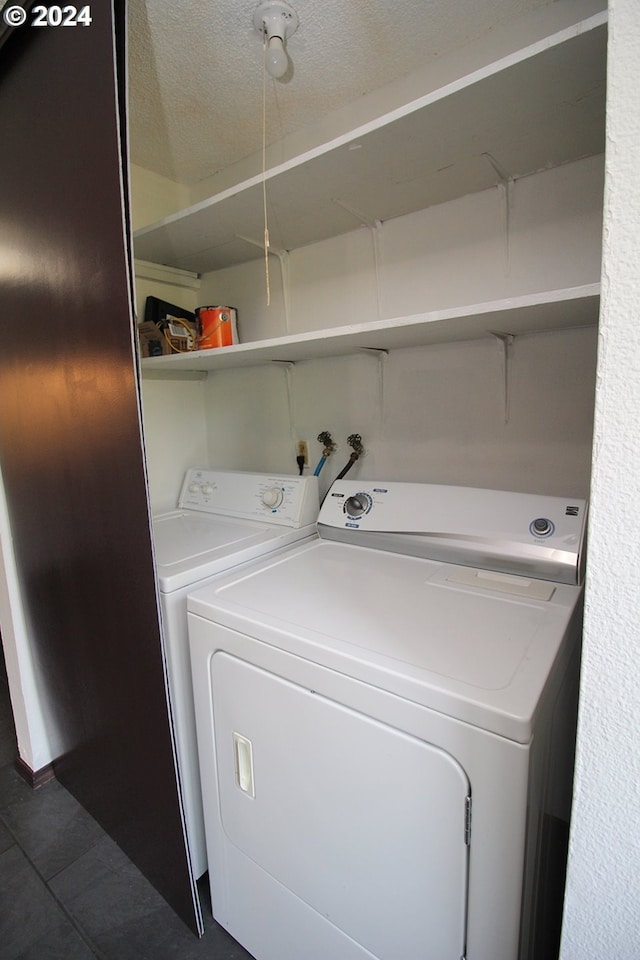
{"type": "Point", "coordinates": [224, 518]}
{"type": "Point", "coordinates": [385, 721]}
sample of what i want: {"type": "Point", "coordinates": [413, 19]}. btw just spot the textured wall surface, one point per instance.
{"type": "Point", "coordinates": [602, 920]}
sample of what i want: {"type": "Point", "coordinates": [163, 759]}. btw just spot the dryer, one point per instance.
{"type": "Point", "coordinates": [385, 723]}
{"type": "Point", "coordinates": [224, 518]}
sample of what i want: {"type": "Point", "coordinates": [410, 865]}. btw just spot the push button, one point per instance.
{"type": "Point", "coordinates": [541, 527]}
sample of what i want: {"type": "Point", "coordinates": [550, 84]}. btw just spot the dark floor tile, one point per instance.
{"type": "Point", "coordinates": [125, 918]}
{"type": "Point", "coordinates": [221, 945]}
{"type": "Point", "coordinates": [28, 913]}
{"type": "Point", "coordinates": [8, 746]}
{"type": "Point", "coordinates": [51, 827]}
{"type": "Point", "coordinates": [13, 789]}
{"type": "Point", "coordinates": [205, 899]}
{"type": "Point", "coordinates": [160, 935]}
{"type": "Point", "coordinates": [61, 942]}
{"type": "Point", "coordinates": [70, 893]}
{"type": "Point", "coordinates": [6, 840]}
{"type": "Point", "coordinates": [103, 888]}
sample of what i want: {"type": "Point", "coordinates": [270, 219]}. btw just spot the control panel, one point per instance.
{"type": "Point", "coordinates": [542, 536]}
{"type": "Point", "coordinates": [272, 498]}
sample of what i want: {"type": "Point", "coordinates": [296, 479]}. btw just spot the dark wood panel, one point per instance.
{"type": "Point", "coordinates": [70, 444]}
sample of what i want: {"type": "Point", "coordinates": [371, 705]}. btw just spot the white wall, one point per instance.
{"type": "Point", "coordinates": [602, 917]}
{"type": "Point", "coordinates": [35, 733]}
{"type": "Point", "coordinates": [153, 196]}
{"type": "Point", "coordinates": [462, 252]}
{"type": "Point", "coordinates": [453, 254]}
{"type": "Point", "coordinates": [174, 436]}
{"type": "Point", "coordinates": [435, 413]}
{"type": "Point", "coordinates": [173, 412]}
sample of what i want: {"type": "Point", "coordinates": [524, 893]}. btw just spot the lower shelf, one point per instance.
{"type": "Point", "coordinates": [531, 313]}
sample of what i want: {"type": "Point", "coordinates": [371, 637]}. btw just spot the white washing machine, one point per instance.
{"type": "Point", "coordinates": [385, 724]}
{"type": "Point", "coordinates": [224, 518]}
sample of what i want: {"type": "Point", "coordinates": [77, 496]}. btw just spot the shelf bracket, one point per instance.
{"type": "Point", "coordinates": [283, 257]}
{"type": "Point", "coordinates": [375, 227]}
{"type": "Point", "coordinates": [505, 186]}
{"type": "Point", "coordinates": [376, 234]}
{"type": "Point", "coordinates": [381, 353]}
{"type": "Point", "coordinates": [362, 217]}
{"type": "Point", "coordinates": [289, 368]}
{"type": "Point", "coordinates": [505, 342]}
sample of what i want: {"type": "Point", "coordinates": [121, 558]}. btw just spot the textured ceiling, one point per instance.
{"type": "Point", "coordinates": [195, 80]}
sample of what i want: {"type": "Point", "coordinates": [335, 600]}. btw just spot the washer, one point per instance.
{"type": "Point", "coordinates": [385, 720]}
{"type": "Point", "coordinates": [224, 518]}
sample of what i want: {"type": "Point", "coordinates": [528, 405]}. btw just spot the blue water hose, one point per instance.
{"type": "Point", "coordinates": [321, 463]}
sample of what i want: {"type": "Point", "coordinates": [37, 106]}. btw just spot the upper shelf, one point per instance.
{"type": "Point", "coordinates": [552, 310]}
{"type": "Point", "coordinates": [540, 107]}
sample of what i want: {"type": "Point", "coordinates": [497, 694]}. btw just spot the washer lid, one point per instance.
{"type": "Point", "coordinates": [190, 546]}
{"type": "Point", "coordinates": [470, 651]}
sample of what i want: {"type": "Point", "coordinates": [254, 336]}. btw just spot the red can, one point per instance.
{"type": "Point", "coordinates": [217, 327]}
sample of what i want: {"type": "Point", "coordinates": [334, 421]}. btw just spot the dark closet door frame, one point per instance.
{"type": "Point", "coordinates": [71, 448]}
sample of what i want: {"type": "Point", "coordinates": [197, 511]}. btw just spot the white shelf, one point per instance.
{"type": "Point", "coordinates": [550, 310]}
{"type": "Point", "coordinates": [538, 107]}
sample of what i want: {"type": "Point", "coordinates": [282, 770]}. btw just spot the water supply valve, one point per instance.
{"type": "Point", "coordinates": [355, 440]}
{"type": "Point", "coordinates": [328, 445]}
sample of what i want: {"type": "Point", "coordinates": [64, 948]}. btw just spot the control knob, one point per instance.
{"type": "Point", "coordinates": [194, 487]}
{"type": "Point", "coordinates": [207, 489]}
{"type": "Point", "coordinates": [272, 497]}
{"type": "Point", "coordinates": [357, 505]}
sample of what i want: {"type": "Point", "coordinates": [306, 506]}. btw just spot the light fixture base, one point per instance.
{"type": "Point", "coordinates": [275, 18]}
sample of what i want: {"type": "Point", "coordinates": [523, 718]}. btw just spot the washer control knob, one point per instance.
{"type": "Point", "coordinates": [357, 505]}
{"type": "Point", "coordinates": [194, 487]}
{"type": "Point", "coordinates": [272, 497]}
{"type": "Point", "coordinates": [206, 489]}
{"type": "Point", "coordinates": [541, 527]}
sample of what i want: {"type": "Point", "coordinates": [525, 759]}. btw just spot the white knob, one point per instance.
{"type": "Point", "coordinates": [194, 487]}
{"type": "Point", "coordinates": [207, 489]}
{"type": "Point", "coordinates": [272, 497]}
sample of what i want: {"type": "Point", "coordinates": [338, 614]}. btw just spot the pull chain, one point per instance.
{"type": "Point", "coordinates": [264, 171]}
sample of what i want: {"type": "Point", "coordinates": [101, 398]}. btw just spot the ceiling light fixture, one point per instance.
{"type": "Point", "coordinates": [276, 21]}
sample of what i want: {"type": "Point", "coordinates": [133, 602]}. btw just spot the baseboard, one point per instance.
{"type": "Point", "coordinates": [35, 778]}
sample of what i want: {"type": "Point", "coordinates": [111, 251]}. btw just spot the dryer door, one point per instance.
{"type": "Point", "coordinates": [338, 835]}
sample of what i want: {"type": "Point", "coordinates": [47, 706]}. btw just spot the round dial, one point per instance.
{"type": "Point", "coordinates": [272, 497]}
{"type": "Point", "coordinates": [194, 487]}
{"type": "Point", "coordinates": [357, 505]}
{"type": "Point", "coordinates": [206, 489]}
{"type": "Point", "coordinates": [541, 527]}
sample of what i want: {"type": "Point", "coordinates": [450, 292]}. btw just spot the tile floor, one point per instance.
{"type": "Point", "coordinates": [67, 892]}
